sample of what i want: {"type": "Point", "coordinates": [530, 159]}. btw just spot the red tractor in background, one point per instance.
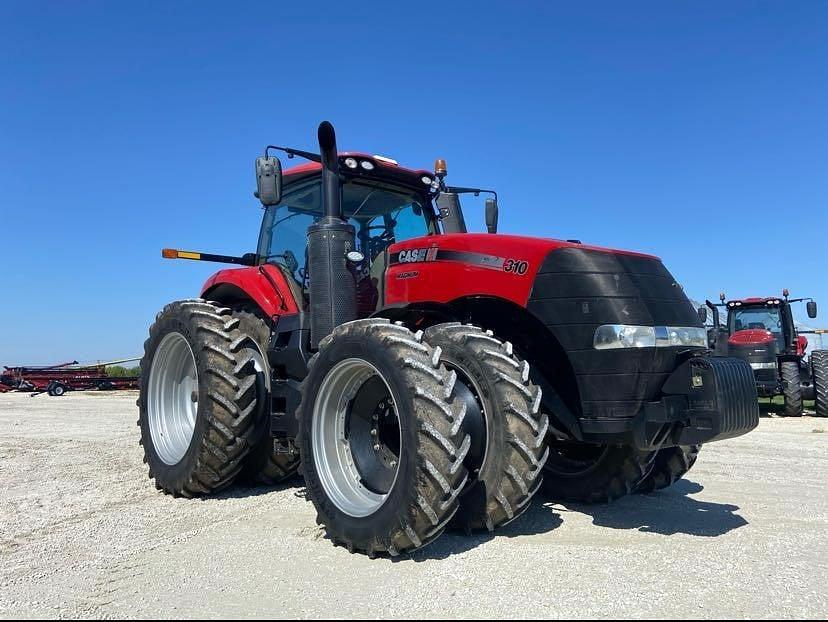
{"type": "Point", "coordinates": [426, 377]}
{"type": "Point", "coordinates": [762, 332]}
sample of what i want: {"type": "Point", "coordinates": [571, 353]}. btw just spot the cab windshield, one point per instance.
{"type": "Point", "coordinates": [756, 318]}
{"type": "Point", "coordinates": [382, 214]}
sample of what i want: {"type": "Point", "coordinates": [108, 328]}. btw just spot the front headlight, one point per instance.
{"type": "Point", "coordinates": [669, 336]}
{"type": "Point", "coordinates": [612, 336]}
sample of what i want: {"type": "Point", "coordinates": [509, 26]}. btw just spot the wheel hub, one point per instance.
{"type": "Point", "coordinates": [356, 437]}
{"type": "Point", "coordinates": [172, 398]}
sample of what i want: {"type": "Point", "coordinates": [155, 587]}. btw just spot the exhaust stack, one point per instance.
{"type": "Point", "coordinates": [332, 286]}
{"type": "Point", "coordinates": [331, 193]}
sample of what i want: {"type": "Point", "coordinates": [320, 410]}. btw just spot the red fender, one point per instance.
{"type": "Point", "coordinates": [265, 285]}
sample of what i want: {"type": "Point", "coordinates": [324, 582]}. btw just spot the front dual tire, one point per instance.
{"type": "Point", "coordinates": [381, 438]}
{"type": "Point", "coordinates": [587, 473]}
{"type": "Point", "coordinates": [394, 423]}
{"type": "Point", "coordinates": [509, 446]}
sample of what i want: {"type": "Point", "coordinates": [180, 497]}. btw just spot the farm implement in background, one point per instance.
{"type": "Point", "coordinates": [56, 380]}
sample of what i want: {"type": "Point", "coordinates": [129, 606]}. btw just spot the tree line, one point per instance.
{"type": "Point", "coordinates": [119, 371]}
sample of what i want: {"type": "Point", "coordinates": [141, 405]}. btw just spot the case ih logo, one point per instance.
{"type": "Point", "coordinates": [517, 267]}
{"type": "Point", "coordinates": [418, 254]}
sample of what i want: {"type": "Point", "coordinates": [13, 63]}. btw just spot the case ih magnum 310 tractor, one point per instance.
{"type": "Point", "coordinates": [762, 332]}
{"type": "Point", "coordinates": [427, 377]}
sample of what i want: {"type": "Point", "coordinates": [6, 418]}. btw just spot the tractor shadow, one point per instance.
{"type": "Point", "coordinates": [667, 512]}
{"type": "Point", "coordinates": [243, 489]}
{"type": "Point", "coordinates": [771, 410]}
{"type": "Point", "coordinates": [540, 518]}
{"type": "Point", "coordinates": [774, 409]}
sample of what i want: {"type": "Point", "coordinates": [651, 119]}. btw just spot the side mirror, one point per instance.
{"type": "Point", "coordinates": [491, 215]}
{"type": "Point", "coordinates": [812, 309]}
{"type": "Point", "coordinates": [702, 314]}
{"type": "Point", "coordinates": [268, 180]}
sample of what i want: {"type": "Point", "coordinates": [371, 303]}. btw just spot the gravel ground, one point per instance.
{"type": "Point", "coordinates": [83, 532]}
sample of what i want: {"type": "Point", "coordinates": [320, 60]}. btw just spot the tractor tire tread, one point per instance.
{"type": "Point", "coordinates": [509, 487]}
{"type": "Point", "coordinates": [819, 362]}
{"type": "Point", "coordinates": [791, 388]}
{"type": "Point", "coordinates": [440, 475]}
{"type": "Point", "coordinates": [224, 443]}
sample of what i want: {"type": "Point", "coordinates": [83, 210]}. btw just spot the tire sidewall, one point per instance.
{"type": "Point", "coordinates": [403, 493]}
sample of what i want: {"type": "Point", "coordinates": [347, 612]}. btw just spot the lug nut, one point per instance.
{"type": "Point", "coordinates": [374, 432]}
{"type": "Point", "coordinates": [393, 463]}
{"type": "Point", "coordinates": [376, 447]}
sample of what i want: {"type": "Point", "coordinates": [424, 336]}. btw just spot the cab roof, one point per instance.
{"type": "Point", "coordinates": [383, 168]}
{"type": "Point", "coordinates": [755, 301]}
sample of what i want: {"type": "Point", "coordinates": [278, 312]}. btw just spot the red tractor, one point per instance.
{"type": "Point", "coordinates": [762, 332]}
{"type": "Point", "coordinates": [426, 376]}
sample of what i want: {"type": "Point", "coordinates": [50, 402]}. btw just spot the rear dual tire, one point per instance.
{"type": "Point", "coordinates": [265, 464]}
{"type": "Point", "coordinates": [198, 400]}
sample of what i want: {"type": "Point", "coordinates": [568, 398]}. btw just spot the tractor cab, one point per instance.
{"type": "Point", "coordinates": [760, 321]}
{"type": "Point", "coordinates": [758, 331]}
{"type": "Point", "coordinates": [385, 204]}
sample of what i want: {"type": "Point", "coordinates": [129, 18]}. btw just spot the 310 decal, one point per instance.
{"type": "Point", "coordinates": [516, 266]}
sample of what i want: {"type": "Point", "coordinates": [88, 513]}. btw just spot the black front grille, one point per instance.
{"type": "Point", "coordinates": [576, 290]}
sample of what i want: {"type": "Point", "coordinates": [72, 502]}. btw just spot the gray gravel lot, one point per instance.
{"type": "Point", "coordinates": [83, 532]}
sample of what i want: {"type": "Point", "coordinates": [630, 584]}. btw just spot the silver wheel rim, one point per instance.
{"type": "Point", "coordinates": [172, 402]}
{"type": "Point", "coordinates": [335, 463]}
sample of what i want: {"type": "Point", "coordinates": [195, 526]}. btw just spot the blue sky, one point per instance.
{"type": "Point", "coordinates": [697, 131]}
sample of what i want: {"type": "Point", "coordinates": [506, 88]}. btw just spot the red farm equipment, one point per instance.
{"type": "Point", "coordinates": [56, 380]}
{"type": "Point", "coordinates": [762, 332]}
{"type": "Point", "coordinates": [425, 377]}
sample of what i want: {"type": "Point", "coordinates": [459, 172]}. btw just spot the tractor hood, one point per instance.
{"type": "Point", "coordinates": [632, 287]}
{"type": "Point", "coordinates": [571, 289]}
{"type": "Point", "coordinates": [479, 264]}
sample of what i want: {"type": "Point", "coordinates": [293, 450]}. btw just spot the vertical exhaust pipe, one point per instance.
{"type": "Point", "coordinates": [331, 193]}
{"type": "Point", "coordinates": [332, 286]}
